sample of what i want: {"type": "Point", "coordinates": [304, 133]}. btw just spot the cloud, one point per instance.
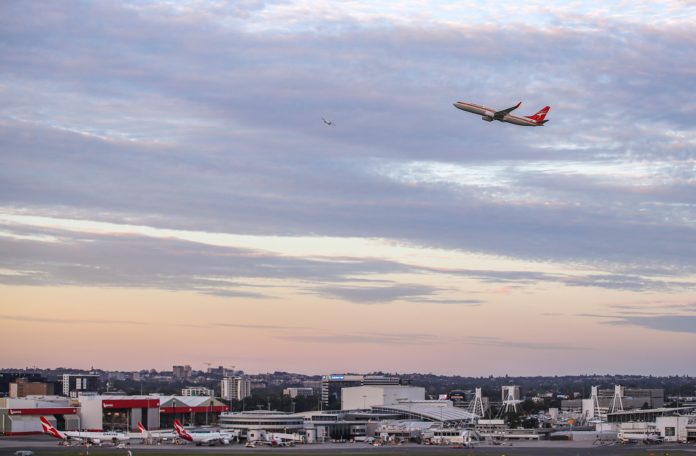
{"type": "Point", "coordinates": [627, 282]}
{"type": "Point", "coordinates": [68, 321]}
{"type": "Point", "coordinates": [205, 116]}
{"type": "Point", "coordinates": [65, 252]}
{"type": "Point", "coordinates": [118, 260]}
{"type": "Point", "coordinates": [670, 323]}
{"type": "Point", "coordinates": [364, 338]}
{"type": "Point", "coordinates": [254, 326]}
{"type": "Point", "coordinates": [396, 339]}
{"type": "Point", "coordinates": [527, 345]}
{"type": "Point", "coordinates": [378, 295]}
{"type": "Point", "coordinates": [676, 317]}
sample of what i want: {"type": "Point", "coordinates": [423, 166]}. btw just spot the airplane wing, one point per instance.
{"type": "Point", "coordinates": [504, 112]}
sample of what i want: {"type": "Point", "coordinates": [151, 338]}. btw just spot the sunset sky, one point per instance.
{"type": "Point", "coordinates": [169, 193]}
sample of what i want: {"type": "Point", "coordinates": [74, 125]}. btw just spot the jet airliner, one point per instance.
{"type": "Point", "coordinates": [156, 435]}
{"type": "Point", "coordinates": [489, 115]}
{"type": "Point", "coordinates": [96, 438]}
{"type": "Point", "coordinates": [199, 438]}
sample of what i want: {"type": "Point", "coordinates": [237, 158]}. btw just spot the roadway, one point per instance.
{"type": "Point", "coordinates": [47, 446]}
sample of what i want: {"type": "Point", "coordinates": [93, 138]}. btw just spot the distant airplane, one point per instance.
{"type": "Point", "coordinates": [199, 438]}
{"type": "Point", "coordinates": [96, 438]}
{"type": "Point", "coordinates": [489, 115]}
{"type": "Point", "coordinates": [328, 122]}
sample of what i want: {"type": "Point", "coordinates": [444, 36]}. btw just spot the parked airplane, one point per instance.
{"type": "Point", "coordinates": [96, 438]}
{"type": "Point", "coordinates": [489, 115]}
{"type": "Point", "coordinates": [199, 437]}
{"type": "Point", "coordinates": [156, 435]}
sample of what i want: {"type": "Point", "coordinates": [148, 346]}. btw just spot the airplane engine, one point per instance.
{"type": "Point", "coordinates": [487, 118]}
{"type": "Point", "coordinates": [96, 441]}
{"type": "Point", "coordinates": [226, 441]}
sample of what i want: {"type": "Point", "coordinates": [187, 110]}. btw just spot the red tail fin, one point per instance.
{"type": "Point", "coordinates": [49, 429]}
{"type": "Point", "coordinates": [181, 432]}
{"type": "Point", "coordinates": [539, 116]}
{"type": "Point", "coordinates": [141, 428]}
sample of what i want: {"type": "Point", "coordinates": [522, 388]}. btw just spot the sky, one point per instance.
{"type": "Point", "coordinates": [169, 193]}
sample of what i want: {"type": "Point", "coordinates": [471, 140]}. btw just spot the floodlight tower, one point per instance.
{"type": "Point", "coordinates": [476, 406]}
{"type": "Point", "coordinates": [616, 402]}
{"type": "Point", "coordinates": [592, 412]}
{"type": "Point", "coordinates": [511, 398]}
{"type": "Point", "coordinates": [594, 396]}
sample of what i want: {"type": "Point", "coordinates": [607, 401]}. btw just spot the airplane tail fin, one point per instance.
{"type": "Point", "coordinates": [539, 116]}
{"type": "Point", "coordinates": [180, 431]}
{"type": "Point", "coordinates": [49, 429]}
{"type": "Point", "coordinates": [141, 428]}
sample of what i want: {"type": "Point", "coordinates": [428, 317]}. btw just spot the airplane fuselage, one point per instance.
{"type": "Point", "coordinates": [208, 438]}
{"type": "Point", "coordinates": [489, 115]}
{"type": "Point", "coordinates": [96, 437]}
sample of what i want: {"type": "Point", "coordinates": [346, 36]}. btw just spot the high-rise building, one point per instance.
{"type": "Point", "coordinates": [11, 377]}
{"type": "Point", "coordinates": [23, 388]}
{"type": "Point", "coordinates": [294, 392]}
{"type": "Point", "coordinates": [75, 384]}
{"type": "Point", "coordinates": [331, 386]}
{"type": "Point", "coordinates": [197, 391]}
{"type": "Point", "coordinates": [181, 372]}
{"type": "Point", "coordinates": [235, 388]}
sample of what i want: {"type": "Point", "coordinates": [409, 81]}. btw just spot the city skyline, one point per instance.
{"type": "Point", "coordinates": [169, 192]}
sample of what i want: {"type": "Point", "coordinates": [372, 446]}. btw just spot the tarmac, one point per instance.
{"type": "Point", "coordinates": [47, 446]}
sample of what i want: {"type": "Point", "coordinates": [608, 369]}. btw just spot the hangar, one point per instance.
{"type": "Point", "coordinates": [190, 410]}
{"type": "Point", "coordinates": [20, 416]}
{"type": "Point", "coordinates": [119, 413]}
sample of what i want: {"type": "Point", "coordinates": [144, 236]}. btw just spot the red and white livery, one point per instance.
{"type": "Point", "coordinates": [489, 115]}
{"type": "Point", "coordinates": [202, 437]}
{"type": "Point", "coordinates": [156, 435]}
{"type": "Point", "coordinates": [96, 438]}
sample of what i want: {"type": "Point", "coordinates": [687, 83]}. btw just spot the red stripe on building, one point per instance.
{"type": "Point", "coordinates": [44, 411]}
{"type": "Point", "coordinates": [130, 403]}
{"type": "Point", "coordinates": [202, 408]}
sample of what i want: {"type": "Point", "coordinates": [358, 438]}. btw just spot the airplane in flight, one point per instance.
{"type": "Point", "coordinates": [489, 115]}
{"type": "Point", "coordinates": [96, 438]}
{"type": "Point", "coordinates": [328, 122]}
{"type": "Point", "coordinates": [200, 438]}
